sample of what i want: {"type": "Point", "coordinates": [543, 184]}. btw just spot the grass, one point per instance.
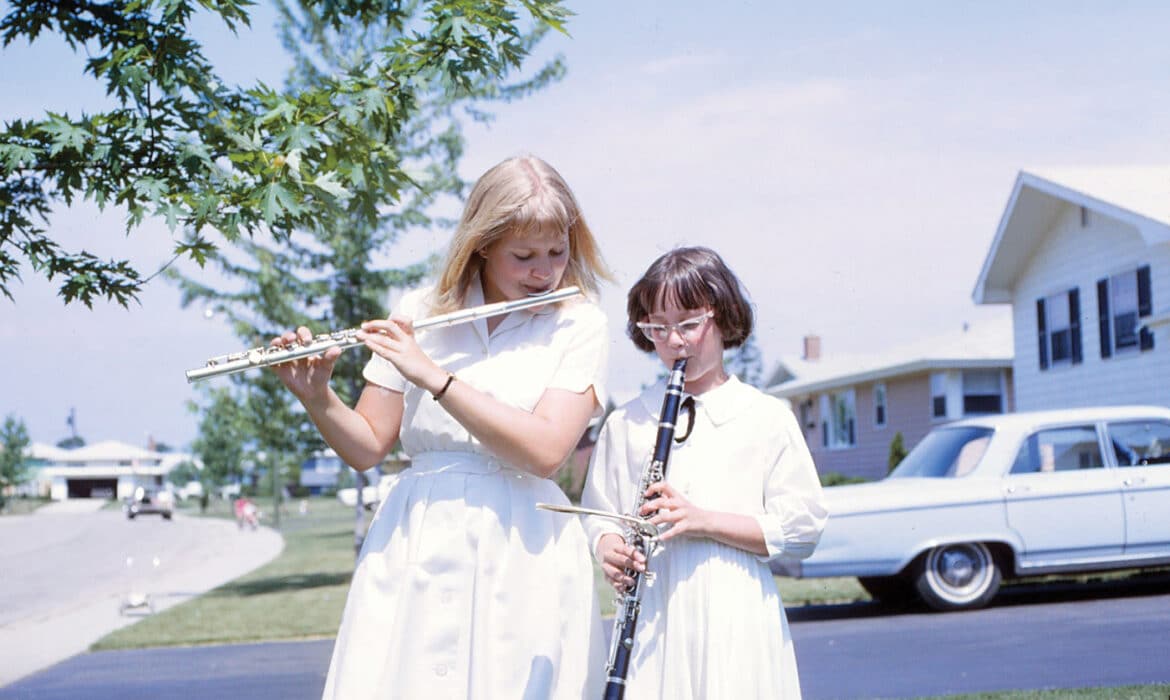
{"type": "Point", "coordinates": [1126, 692]}
{"type": "Point", "coordinates": [21, 506]}
{"type": "Point", "coordinates": [299, 595]}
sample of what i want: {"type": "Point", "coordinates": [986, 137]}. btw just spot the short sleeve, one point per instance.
{"type": "Point", "coordinates": [794, 508]}
{"type": "Point", "coordinates": [586, 353]}
{"type": "Point", "coordinates": [381, 371]}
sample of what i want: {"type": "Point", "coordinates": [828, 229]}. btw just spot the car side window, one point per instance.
{"type": "Point", "coordinates": [1059, 449]}
{"type": "Point", "coordinates": [1140, 443]}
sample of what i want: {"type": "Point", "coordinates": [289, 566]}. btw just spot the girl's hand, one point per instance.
{"type": "Point", "coordinates": [393, 339]}
{"type": "Point", "coordinates": [684, 517]}
{"type": "Point", "coordinates": [616, 556]}
{"type": "Point", "coordinates": [308, 377]}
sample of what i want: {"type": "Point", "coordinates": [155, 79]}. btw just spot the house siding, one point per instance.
{"type": "Point", "coordinates": [908, 410]}
{"type": "Point", "coordinates": [1072, 255]}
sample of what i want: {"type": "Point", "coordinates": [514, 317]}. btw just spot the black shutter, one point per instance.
{"type": "Point", "coordinates": [1145, 307]}
{"type": "Point", "coordinates": [1145, 303]}
{"type": "Point", "coordinates": [1103, 317]}
{"type": "Point", "coordinates": [1040, 325]}
{"type": "Point", "coordinates": [1074, 324]}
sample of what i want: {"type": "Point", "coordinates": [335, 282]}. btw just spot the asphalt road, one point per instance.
{"type": "Point", "coordinates": [1034, 638]}
{"type": "Point", "coordinates": [66, 570]}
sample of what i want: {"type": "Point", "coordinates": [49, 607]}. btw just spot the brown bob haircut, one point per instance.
{"type": "Point", "coordinates": [692, 278]}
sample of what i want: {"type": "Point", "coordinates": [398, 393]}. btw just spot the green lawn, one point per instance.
{"type": "Point", "coordinates": [1128, 692]}
{"type": "Point", "coordinates": [21, 506]}
{"type": "Point", "coordinates": [299, 595]}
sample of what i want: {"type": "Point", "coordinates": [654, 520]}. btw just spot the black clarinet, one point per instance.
{"type": "Point", "coordinates": [626, 621]}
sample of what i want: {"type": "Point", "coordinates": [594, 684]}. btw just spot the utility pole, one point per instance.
{"type": "Point", "coordinates": [274, 472]}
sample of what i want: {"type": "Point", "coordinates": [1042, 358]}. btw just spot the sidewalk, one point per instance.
{"type": "Point", "coordinates": [43, 632]}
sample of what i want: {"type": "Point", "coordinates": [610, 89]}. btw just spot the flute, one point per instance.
{"type": "Point", "coordinates": [346, 339]}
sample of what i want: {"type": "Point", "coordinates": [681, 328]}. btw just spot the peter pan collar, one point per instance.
{"type": "Point", "coordinates": [719, 405]}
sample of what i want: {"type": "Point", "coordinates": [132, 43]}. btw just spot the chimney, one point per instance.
{"type": "Point", "coordinates": [812, 348]}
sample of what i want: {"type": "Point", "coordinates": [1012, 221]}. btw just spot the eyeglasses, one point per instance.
{"type": "Point", "coordinates": [688, 329]}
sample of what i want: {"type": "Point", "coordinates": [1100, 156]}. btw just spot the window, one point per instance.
{"type": "Point", "coordinates": [1122, 301]}
{"type": "Point", "coordinates": [1058, 450]}
{"type": "Point", "coordinates": [982, 392]}
{"type": "Point", "coordinates": [838, 415]}
{"type": "Point", "coordinates": [879, 405]}
{"type": "Point", "coordinates": [938, 395]}
{"type": "Point", "coordinates": [945, 452]}
{"type": "Point", "coordinates": [1058, 321]}
{"type": "Point", "coordinates": [1140, 443]}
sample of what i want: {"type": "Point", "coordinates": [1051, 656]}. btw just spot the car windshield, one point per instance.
{"type": "Point", "coordinates": [945, 453]}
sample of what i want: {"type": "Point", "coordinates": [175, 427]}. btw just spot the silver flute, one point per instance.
{"type": "Point", "coordinates": [275, 355]}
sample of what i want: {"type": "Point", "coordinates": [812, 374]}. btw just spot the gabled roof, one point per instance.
{"type": "Point", "coordinates": [1139, 196]}
{"type": "Point", "coordinates": [986, 346]}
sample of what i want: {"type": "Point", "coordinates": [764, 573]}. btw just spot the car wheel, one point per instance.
{"type": "Point", "coordinates": [166, 516]}
{"type": "Point", "coordinates": [889, 590]}
{"type": "Point", "coordinates": [960, 576]}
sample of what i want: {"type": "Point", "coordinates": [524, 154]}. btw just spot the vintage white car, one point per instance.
{"type": "Point", "coordinates": [1011, 495]}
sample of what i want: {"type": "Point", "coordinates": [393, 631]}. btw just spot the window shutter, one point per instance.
{"type": "Point", "coordinates": [1103, 317]}
{"type": "Point", "coordinates": [1040, 325]}
{"type": "Point", "coordinates": [1145, 303]}
{"type": "Point", "coordinates": [1145, 307]}
{"type": "Point", "coordinates": [1074, 324]}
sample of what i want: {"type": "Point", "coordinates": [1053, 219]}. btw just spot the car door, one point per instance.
{"type": "Point", "coordinates": [1142, 451]}
{"type": "Point", "coordinates": [1062, 501]}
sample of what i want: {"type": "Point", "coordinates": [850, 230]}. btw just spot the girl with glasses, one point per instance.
{"type": "Point", "coordinates": [740, 490]}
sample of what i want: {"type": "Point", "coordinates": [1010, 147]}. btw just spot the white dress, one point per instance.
{"type": "Point", "coordinates": [712, 623]}
{"type": "Point", "coordinates": [463, 589]}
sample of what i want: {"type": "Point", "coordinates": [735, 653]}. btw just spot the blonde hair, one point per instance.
{"type": "Point", "coordinates": [523, 194]}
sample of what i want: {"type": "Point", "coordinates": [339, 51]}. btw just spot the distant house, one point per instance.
{"type": "Point", "coordinates": [108, 469]}
{"type": "Point", "coordinates": [324, 471]}
{"type": "Point", "coordinates": [1083, 257]}
{"type": "Point", "coordinates": [321, 472]}
{"type": "Point", "coordinates": [850, 407]}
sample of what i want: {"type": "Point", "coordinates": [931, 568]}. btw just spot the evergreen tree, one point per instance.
{"type": "Point", "coordinates": [330, 275]}
{"type": "Point", "coordinates": [14, 441]}
{"type": "Point", "coordinates": [746, 362]}
{"type": "Point", "coordinates": [897, 451]}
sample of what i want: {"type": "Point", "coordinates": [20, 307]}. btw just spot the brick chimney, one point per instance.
{"type": "Point", "coordinates": [812, 348]}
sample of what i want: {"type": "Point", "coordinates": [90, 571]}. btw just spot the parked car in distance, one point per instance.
{"type": "Point", "coordinates": [147, 501]}
{"type": "Point", "coordinates": [1012, 495]}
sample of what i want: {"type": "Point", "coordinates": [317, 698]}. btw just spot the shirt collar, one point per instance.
{"type": "Point", "coordinates": [719, 405]}
{"type": "Point", "coordinates": [512, 320]}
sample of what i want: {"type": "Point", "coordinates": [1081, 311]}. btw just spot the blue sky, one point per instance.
{"type": "Point", "coordinates": [850, 161]}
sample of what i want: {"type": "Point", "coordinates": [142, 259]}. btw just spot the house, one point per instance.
{"type": "Point", "coordinates": [1083, 257]}
{"type": "Point", "coordinates": [851, 407]}
{"type": "Point", "coordinates": [323, 471]}
{"type": "Point", "coordinates": [108, 469]}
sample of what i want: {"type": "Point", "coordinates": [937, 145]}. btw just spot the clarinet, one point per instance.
{"type": "Point", "coordinates": [626, 620]}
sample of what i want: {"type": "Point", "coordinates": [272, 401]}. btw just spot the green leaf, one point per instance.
{"type": "Point", "coordinates": [328, 183]}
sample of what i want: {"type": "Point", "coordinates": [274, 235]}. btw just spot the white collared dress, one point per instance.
{"type": "Point", "coordinates": [712, 623]}
{"type": "Point", "coordinates": [463, 589]}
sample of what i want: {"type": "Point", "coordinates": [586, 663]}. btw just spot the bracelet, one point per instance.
{"type": "Point", "coordinates": [439, 394]}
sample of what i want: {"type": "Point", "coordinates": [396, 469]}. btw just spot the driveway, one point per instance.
{"type": "Point", "coordinates": [68, 568]}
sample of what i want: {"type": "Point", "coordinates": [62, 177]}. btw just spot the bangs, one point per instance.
{"type": "Point", "coordinates": [542, 215]}
{"type": "Point", "coordinates": [682, 285]}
